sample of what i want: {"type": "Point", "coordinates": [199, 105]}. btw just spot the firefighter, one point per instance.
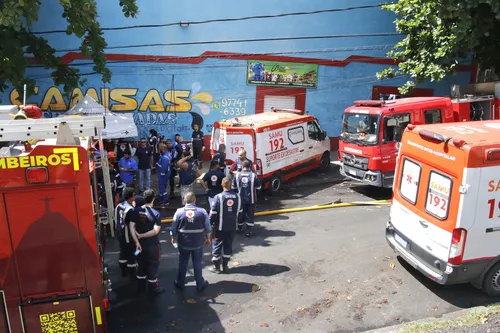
{"type": "Point", "coordinates": [127, 248]}
{"type": "Point", "coordinates": [212, 181]}
{"type": "Point", "coordinates": [246, 183]}
{"type": "Point", "coordinates": [224, 213]}
{"type": "Point", "coordinates": [220, 156]}
{"type": "Point", "coordinates": [163, 170]}
{"type": "Point", "coordinates": [145, 229]}
{"type": "Point", "coordinates": [190, 229]}
{"type": "Point", "coordinates": [198, 144]}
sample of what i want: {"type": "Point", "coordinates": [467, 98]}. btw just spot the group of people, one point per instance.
{"type": "Point", "coordinates": [231, 195]}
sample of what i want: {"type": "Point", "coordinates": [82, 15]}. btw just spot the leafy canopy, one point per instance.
{"type": "Point", "coordinates": [438, 33]}
{"type": "Point", "coordinates": [19, 45]}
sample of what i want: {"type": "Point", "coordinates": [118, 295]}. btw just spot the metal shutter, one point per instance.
{"type": "Point", "coordinates": [278, 102]}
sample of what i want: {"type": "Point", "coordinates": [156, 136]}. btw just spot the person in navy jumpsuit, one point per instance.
{"type": "Point", "coordinates": [124, 213]}
{"type": "Point", "coordinates": [224, 212]}
{"type": "Point", "coordinates": [246, 183]}
{"type": "Point", "coordinates": [145, 227]}
{"type": "Point", "coordinates": [189, 231]}
{"type": "Point", "coordinates": [212, 181]}
{"type": "Point", "coordinates": [163, 169]}
{"type": "Point", "coordinates": [198, 138]}
{"type": "Point", "coordinates": [220, 157]}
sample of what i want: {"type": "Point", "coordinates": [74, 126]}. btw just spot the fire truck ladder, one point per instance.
{"type": "Point", "coordinates": [66, 131]}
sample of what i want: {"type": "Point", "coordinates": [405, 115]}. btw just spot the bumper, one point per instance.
{"type": "Point", "coordinates": [369, 177]}
{"type": "Point", "coordinates": [452, 274]}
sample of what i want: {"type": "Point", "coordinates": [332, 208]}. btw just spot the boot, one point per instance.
{"type": "Point", "coordinates": [123, 268]}
{"type": "Point", "coordinates": [225, 267]}
{"type": "Point", "coordinates": [132, 273]}
{"type": "Point", "coordinates": [141, 285]}
{"type": "Point", "coordinates": [154, 288]}
{"type": "Point", "coordinates": [216, 268]}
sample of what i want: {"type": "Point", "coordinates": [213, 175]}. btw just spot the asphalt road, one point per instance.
{"type": "Point", "coordinates": [317, 271]}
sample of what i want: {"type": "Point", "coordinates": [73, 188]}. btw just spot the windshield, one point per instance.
{"type": "Point", "coordinates": [360, 128]}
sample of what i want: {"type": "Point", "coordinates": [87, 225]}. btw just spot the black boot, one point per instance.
{"type": "Point", "coordinates": [132, 272]}
{"type": "Point", "coordinates": [141, 285]}
{"type": "Point", "coordinates": [123, 268]}
{"type": "Point", "coordinates": [154, 288]}
{"type": "Point", "coordinates": [225, 267]}
{"type": "Point", "coordinates": [216, 268]}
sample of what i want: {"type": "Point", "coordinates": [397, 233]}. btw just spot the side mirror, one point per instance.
{"type": "Point", "coordinates": [384, 141]}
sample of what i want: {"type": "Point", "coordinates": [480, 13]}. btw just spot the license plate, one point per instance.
{"type": "Point", "coordinates": [400, 240]}
{"type": "Point", "coordinates": [352, 172]}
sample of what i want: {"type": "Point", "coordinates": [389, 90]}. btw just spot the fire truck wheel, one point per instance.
{"type": "Point", "coordinates": [491, 283]}
{"type": "Point", "coordinates": [324, 163]}
{"type": "Point", "coordinates": [275, 183]}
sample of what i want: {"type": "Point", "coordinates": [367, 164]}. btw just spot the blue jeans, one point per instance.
{"type": "Point", "coordinates": [144, 175]}
{"type": "Point", "coordinates": [197, 256]}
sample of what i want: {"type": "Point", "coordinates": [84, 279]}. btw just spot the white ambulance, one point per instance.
{"type": "Point", "coordinates": [282, 144]}
{"type": "Point", "coordinates": [445, 216]}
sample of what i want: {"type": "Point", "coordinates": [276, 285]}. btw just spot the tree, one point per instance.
{"type": "Point", "coordinates": [439, 33]}
{"type": "Point", "coordinates": [20, 47]}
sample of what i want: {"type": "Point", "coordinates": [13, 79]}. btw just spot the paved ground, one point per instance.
{"type": "Point", "coordinates": [316, 271]}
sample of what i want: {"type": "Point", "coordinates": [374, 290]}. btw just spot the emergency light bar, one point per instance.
{"type": "Point", "coordinates": [29, 129]}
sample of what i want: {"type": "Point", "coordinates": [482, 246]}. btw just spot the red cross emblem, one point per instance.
{"type": "Point", "coordinates": [190, 214]}
{"type": "Point", "coordinates": [409, 179]}
{"type": "Point", "coordinates": [230, 203]}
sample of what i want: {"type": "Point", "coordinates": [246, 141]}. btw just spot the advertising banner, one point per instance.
{"type": "Point", "coordinates": [283, 74]}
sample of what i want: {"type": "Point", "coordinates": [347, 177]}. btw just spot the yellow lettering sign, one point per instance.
{"type": "Point", "coordinates": [124, 98]}
{"type": "Point", "coordinates": [60, 156]}
{"type": "Point", "coordinates": [178, 99]}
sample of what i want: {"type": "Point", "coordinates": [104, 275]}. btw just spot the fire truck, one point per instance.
{"type": "Point", "coordinates": [371, 130]}
{"type": "Point", "coordinates": [52, 274]}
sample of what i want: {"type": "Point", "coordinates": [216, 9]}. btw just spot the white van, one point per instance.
{"type": "Point", "coordinates": [282, 144]}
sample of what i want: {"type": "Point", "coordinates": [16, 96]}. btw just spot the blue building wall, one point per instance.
{"type": "Point", "coordinates": [186, 83]}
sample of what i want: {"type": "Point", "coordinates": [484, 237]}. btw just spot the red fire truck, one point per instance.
{"type": "Point", "coordinates": [52, 277]}
{"type": "Point", "coordinates": [372, 130]}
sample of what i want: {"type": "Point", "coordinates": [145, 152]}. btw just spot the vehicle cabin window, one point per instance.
{"type": "Point", "coordinates": [410, 179]}
{"type": "Point", "coordinates": [438, 195]}
{"type": "Point", "coordinates": [433, 116]}
{"type": "Point", "coordinates": [313, 130]}
{"type": "Point", "coordinates": [394, 126]}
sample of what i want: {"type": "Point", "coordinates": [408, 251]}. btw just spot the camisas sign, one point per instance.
{"type": "Point", "coordinates": [60, 156]}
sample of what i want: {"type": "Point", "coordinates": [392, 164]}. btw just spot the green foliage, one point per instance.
{"type": "Point", "coordinates": [19, 45]}
{"type": "Point", "coordinates": [438, 32]}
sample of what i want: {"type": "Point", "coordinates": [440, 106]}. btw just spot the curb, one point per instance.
{"type": "Point", "coordinates": [446, 317]}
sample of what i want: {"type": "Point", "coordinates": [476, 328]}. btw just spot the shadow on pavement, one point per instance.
{"type": "Point", "coordinates": [376, 193]}
{"type": "Point", "coordinates": [260, 269]}
{"type": "Point", "coordinates": [461, 295]}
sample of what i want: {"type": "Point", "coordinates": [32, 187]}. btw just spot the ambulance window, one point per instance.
{"type": "Point", "coordinates": [433, 116]}
{"type": "Point", "coordinates": [313, 130]}
{"type": "Point", "coordinates": [410, 178]}
{"type": "Point", "coordinates": [438, 195]}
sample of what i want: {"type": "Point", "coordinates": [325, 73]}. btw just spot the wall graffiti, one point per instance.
{"type": "Point", "coordinates": [168, 111]}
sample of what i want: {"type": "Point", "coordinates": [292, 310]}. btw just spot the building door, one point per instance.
{"type": "Point", "coordinates": [279, 102]}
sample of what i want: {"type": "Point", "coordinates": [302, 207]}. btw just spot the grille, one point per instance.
{"type": "Point", "coordinates": [355, 161]}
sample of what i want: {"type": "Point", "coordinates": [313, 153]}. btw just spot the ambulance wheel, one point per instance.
{"type": "Point", "coordinates": [491, 283]}
{"type": "Point", "coordinates": [275, 183]}
{"type": "Point", "coordinates": [324, 163]}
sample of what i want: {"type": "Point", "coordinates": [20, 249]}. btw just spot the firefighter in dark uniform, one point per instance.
{"type": "Point", "coordinates": [190, 229]}
{"type": "Point", "coordinates": [224, 213]}
{"type": "Point", "coordinates": [145, 227]}
{"type": "Point", "coordinates": [212, 181]}
{"type": "Point", "coordinates": [220, 157]}
{"type": "Point", "coordinates": [125, 212]}
{"type": "Point", "coordinates": [246, 183]}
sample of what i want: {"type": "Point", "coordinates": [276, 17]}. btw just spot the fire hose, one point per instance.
{"type": "Point", "coordinates": [335, 204]}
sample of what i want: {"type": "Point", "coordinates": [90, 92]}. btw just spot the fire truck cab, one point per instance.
{"type": "Point", "coordinates": [372, 130]}
{"type": "Point", "coordinates": [52, 277]}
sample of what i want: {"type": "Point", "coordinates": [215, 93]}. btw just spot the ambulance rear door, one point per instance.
{"type": "Point", "coordinates": [237, 139]}
{"type": "Point", "coordinates": [421, 212]}
{"type": "Point", "coordinates": [282, 148]}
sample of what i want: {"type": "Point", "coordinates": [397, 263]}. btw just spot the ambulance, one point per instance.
{"type": "Point", "coordinates": [445, 216]}
{"type": "Point", "coordinates": [282, 144]}
{"type": "Point", "coordinates": [52, 273]}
